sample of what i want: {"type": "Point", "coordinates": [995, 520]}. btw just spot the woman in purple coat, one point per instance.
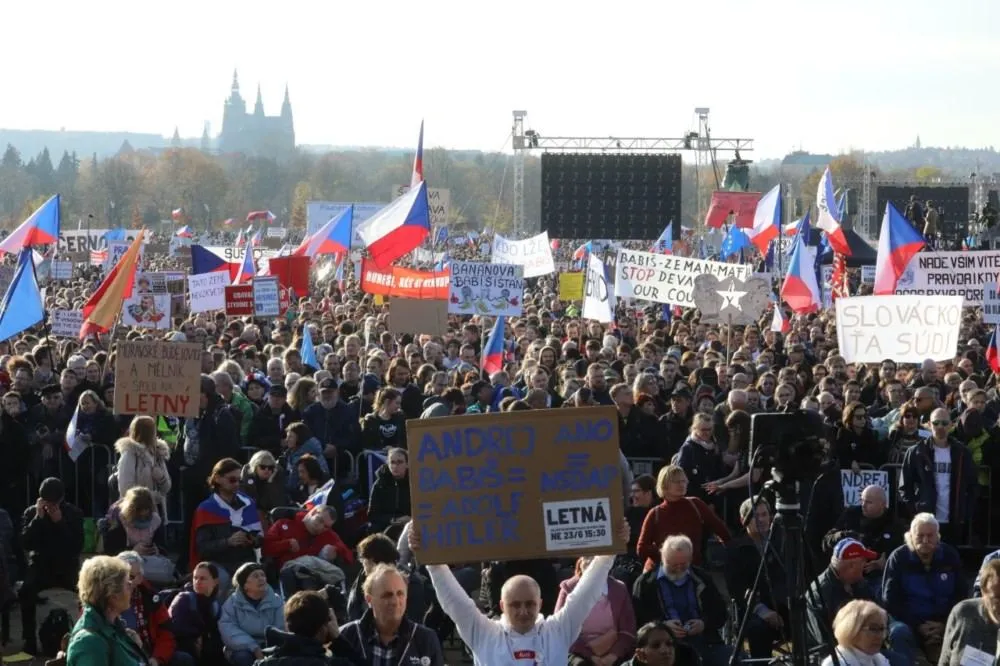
{"type": "Point", "coordinates": [194, 617]}
{"type": "Point", "coordinates": [607, 637]}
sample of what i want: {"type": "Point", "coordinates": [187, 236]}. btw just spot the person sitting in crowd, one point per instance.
{"type": "Point", "coordinates": [655, 645]}
{"type": "Point", "coordinates": [308, 535]}
{"type": "Point", "coordinates": [385, 634]}
{"type": "Point", "coordinates": [608, 634]}
{"type": "Point", "coordinates": [226, 528]}
{"type": "Point", "coordinates": [311, 477]}
{"type": "Point", "coordinates": [677, 514]}
{"type": "Point", "coordinates": [872, 524]}
{"type": "Point", "coordinates": [373, 550]}
{"type": "Point", "coordinates": [143, 460]}
{"type": "Point", "coordinates": [270, 421]}
{"type": "Point", "coordinates": [973, 625]}
{"type": "Point", "coordinates": [743, 554]}
{"type": "Point", "coordinates": [385, 427]}
{"type": "Point", "coordinates": [299, 442]}
{"type": "Point", "coordinates": [923, 581]}
{"type": "Point", "coordinates": [859, 627]}
{"type": "Point", "coordinates": [149, 618]}
{"type": "Point", "coordinates": [247, 613]}
{"type": "Point", "coordinates": [52, 539]}
{"type": "Point", "coordinates": [389, 502]}
{"type": "Point", "coordinates": [311, 628]}
{"type": "Point", "coordinates": [194, 617]}
{"type": "Point", "coordinates": [686, 597]}
{"type": "Point", "coordinates": [263, 481]}
{"type": "Point", "coordinates": [99, 636]}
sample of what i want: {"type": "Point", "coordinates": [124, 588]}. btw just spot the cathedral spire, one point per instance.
{"type": "Point", "coordinates": [286, 105]}
{"type": "Point", "coordinates": [258, 108]}
{"type": "Point", "coordinates": [175, 141]}
{"type": "Point", "coordinates": [236, 82]}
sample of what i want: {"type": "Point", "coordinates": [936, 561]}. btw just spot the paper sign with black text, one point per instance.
{"type": "Point", "coordinates": [158, 378]}
{"type": "Point", "coordinates": [66, 323]}
{"type": "Point", "coordinates": [868, 274]}
{"type": "Point", "coordinates": [598, 301]}
{"type": "Point", "coordinates": [571, 286]}
{"type": "Point", "coordinates": [906, 329]}
{"type": "Point", "coordinates": [485, 289]}
{"type": "Point", "coordinates": [951, 273]}
{"type": "Point", "coordinates": [991, 304]}
{"type": "Point", "coordinates": [208, 291]}
{"type": "Point", "coordinates": [667, 278]}
{"type": "Point", "coordinates": [854, 482]}
{"type": "Point", "coordinates": [266, 297]}
{"type": "Point", "coordinates": [534, 254]}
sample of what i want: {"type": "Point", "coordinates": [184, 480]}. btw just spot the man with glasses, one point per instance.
{"type": "Point", "coordinates": [939, 477]}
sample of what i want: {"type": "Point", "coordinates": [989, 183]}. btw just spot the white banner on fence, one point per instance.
{"type": "Point", "coordinates": [66, 323]}
{"type": "Point", "coordinates": [951, 273]}
{"type": "Point", "coordinates": [534, 253]}
{"type": "Point", "coordinates": [598, 301]}
{"type": "Point", "coordinates": [485, 289]}
{"type": "Point", "coordinates": [868, 274]}
{"type": "Point", "coordinates": [854, 482]}
{"type": "Point", "coordinates": [147, 310]}
{"type": "Point", "coordinates": [906, 329]}
{"type": "Point", "coordinates": [208, 291]}
{"type": "Point", "coordinates": [665, 278]}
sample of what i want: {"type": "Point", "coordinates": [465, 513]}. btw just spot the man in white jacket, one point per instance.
{"type": "Point", "coordinates": [522, 636]}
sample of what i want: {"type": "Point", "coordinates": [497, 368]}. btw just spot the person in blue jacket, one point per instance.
{"type": "Point", "coordinates": [298, 442]}
{"type": "Point", "coordinates": [923, 581]}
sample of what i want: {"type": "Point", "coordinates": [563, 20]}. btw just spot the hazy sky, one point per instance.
{"type": "Point", "coordinates": [824, 76]}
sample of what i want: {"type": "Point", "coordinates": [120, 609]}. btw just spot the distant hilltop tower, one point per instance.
{"type": "Point", "coordinates": [256, 133]}
{"type": "Point", "coordinates": [917, 143]}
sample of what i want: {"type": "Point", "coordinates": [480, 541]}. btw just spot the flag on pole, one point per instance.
{"type": "Point", "coordinates": [766, 219]}
{"type": "Point", "coordinates": [334, 237]}
{"type": "Point", "coordinates": [829, 215]}
{"type": "Point", "coordinates": [418, 160]}
{"type": "Point", "coordinates": [583, 251]}
{"type": "Point", "coordinates": [177, 214]}
{"type": "Point", "coordinates": [898, 242]}
{"type": "Point", "coordinates": [780, 323]}
{"type": "Point", "coordinates": [993, 352]}
{"type": "Point", "coordinates": [184, 232]}
{"type": "Point", "coordinates": [260, 215]}
{"type": "Point", "coordinates": [102, 308]}
{"type": "Point", "coordinates": [41, 228]}
{"type": "Point", "coordinates": [247, 267]}
{"type": "Point", "coordinates": [308, 351]}
{"type": "Point", "coordinates": [398, 228]}
{"type": "Point", "coordinates": [665, 243]}
{"type": "Point", "coordinates": [494, 352]}
{"type": "Point", "coordinates": [22, 305]}
{"type": "Point", "coordinates": [800, 288]}
{"type": "Point", "coordinates": [734, 242]}
{"type": "Point", "coordinates": [75, 445]}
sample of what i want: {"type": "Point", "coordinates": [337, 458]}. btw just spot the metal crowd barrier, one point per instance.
{"type": "Point", "coordinates": [97, 461]}
{"type": "Point", "coordinates": [640, 466]}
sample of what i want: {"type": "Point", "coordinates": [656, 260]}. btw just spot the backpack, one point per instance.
{"type": "Point", "coordinates": [50, 634]}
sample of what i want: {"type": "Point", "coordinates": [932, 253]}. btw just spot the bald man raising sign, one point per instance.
{"type": "Point", "coordinates": [521, 637]}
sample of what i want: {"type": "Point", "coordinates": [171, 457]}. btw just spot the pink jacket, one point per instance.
{"type": "Point", "coordinates": [621, 605]}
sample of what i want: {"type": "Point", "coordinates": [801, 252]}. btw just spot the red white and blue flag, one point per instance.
{"type": "Point", "coordinates": [216, 511]}
{"type": "Point", "coordinates": [800, 288]}
{"type": "Point", "coordinates": [766, 220]}
{"type": "Point", "coordinates": [829, 215]}
{"type": "Point", "coordinates": [398, 228]}
{"type": "Point", "coordinates": [898, 242]}
{"type": "Point", "coordinates": [184, 232]}
{"type": "Point", "coordinates": [418, 160]}
{"type": "Point", "coordinates": [493, 354]}
{"type": "Point", "coordinates": [260, 216]}
{"type": "Point", "coordinates": [583, 251]}
{"type": "Point", "coordinates": [993, 352]}
{"type": "Point", "coordinates": [177, 214]}
{"type": "Point", "coordinates": [780, 323]}
{"type": "Point", "coordinates": [665, 243]}
{"type": "Point", "coordinates": [334, 237]}
{"type": "Point", "coordinates": [247, 267]}
{"type": "Point", "coordinates": [41, 228]}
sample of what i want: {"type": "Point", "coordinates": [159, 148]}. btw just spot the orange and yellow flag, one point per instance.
{"type": "Point", "coordinates": [102, 308]}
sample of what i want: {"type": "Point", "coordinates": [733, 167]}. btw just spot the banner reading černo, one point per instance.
{"type": "Point", "coordinates": [404, 282]}
{"type": "Point", "coordinates": [666, 278]}
{"type": "Point", "coordinates": [906, 329]}
{"type": "Point", "coordinates": [534, 254]}
{"type": "Point", "coordinates": [951, 273]}
{"type": "Point", "coordinates": [543, 483]}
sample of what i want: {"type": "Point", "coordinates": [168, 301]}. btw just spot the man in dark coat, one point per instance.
{"type": "Point", "coordinates": [311, 627]}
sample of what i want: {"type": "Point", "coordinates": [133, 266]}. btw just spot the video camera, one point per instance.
{"type": "Point", "coordinates": [790, 444]}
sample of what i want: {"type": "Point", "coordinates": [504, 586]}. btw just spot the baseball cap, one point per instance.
{"type": "Point", "coordinates": [327, 385]}
{"type": "Point", "coordinates": [278, 390]}
{"type": "Point", "coordinates": [852, 549]}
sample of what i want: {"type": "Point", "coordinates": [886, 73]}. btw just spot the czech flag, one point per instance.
{"type": "Point", "coordinates": [494, 353]}
{"type": "Point", "coordinates": [334, 237]}
{"type": "Point", "coordinates": [102, 308]}
{"type": "Point", "coordinates": [829, 215]}
{"type": "Point", "coordinates": [898, 242]}
{"type": "Point", "coordinates": [228, 221]}
{"type": "Point", "coordinates": [256, 239]}
{"type": "Point", "coordinates": [780, 323]}
{"type": "Point", "coordinates": [993, 352]}
{"type": "Point", "coordinates": [800, 289]}
{"type": "Point", "coordinates": [418, 160]}
{"type": "Point", "coordinates": [665, 243]}
{"type": "Point", "coordinates": [41, 228]}
{"type": "Point", "coordinates": [206, 261]}
{"type": "Point", "coordinates": [766, 219]}
{"type": "Point", "coordinates": [177, 214]}
{"type": "Point", "coordinates": [247, 268]}
{"type": "Point", "coordinates": [215, 511]}
{"type": "Point", "coordinates": [265, 215]}
{"type": "Point", "coordinates": [184, 232]}
{"type": "Point", "coordinates": [22, 305]}
{"type": "Point", "coordinates": [583, 251]}
{"type": "Point", "coordinates": [398, 228]}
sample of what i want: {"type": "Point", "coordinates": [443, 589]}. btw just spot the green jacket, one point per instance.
{"type": "Point", "coordinates": [96, 642]}
{"type": "Point", "coordinates": [245, 407]}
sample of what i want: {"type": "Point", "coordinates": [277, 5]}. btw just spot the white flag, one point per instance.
{"type": "Point", "coordinates": [74, 445]}
{"type": "Point", "coordinates": [598, 303]}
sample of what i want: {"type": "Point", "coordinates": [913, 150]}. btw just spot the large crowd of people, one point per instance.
{"type": "Point", "coordinates": [276, 526]}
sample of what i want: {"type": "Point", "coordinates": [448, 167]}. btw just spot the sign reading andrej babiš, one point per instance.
{"type": "Point", "coordinates": [516, 486]}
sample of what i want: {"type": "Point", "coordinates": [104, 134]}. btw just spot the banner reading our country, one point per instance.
{"type": "Point", "coordinates": [665, 278]}
{"type": "Point", "coordinates": [963, 274]}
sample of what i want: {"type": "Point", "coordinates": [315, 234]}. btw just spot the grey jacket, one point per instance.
{"type": "Point", "coordinates": [969, 625]}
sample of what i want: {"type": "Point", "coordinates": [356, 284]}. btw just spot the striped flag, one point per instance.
{"type": "Point", "coordinates": [74, 444]}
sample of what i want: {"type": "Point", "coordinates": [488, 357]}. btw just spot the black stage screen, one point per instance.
{"type": "Point", "coordinates": [610, 196]}
{"type": "Point", "coordinates": [952, 200]}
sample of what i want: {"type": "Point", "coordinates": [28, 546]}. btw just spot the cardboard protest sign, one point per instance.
{"type": "Point", "coordinates": [951, 273]}
{"type": "Point", "coordinates": [571, 286]}
{"type": "Point", "coordinates": [407, 315]}
{"type": "Point", "coordinates": [667, 278]}
{"type": "Point", "coordinates": [438, 199]}
{"type": "Point", "coordinates": [147, 310]}
{"type": "Point", "coordinates": [485, 289]}
{"type": "Point", "coordinates": [240, 300]}
{"type": "Point", "coordinates": [66, 323]}
{"type": "Point", "coordinates": [208, 291]}
{"type": "Point", "coordinates": [534, 254]}
{"type": "Point", "coordinates": [396, 281]}
{"type": "Point", "coordinates": [907, 329]}
{"type": "Point", "coordinates": [155, 377]}
{"type": "Point", "coordinates": [854, 482]}
{"type": "Point", "coordinates": [991, 304]}
{"type": "Point", "coordinates": [543, 483]}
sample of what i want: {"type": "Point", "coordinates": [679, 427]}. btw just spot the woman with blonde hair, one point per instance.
{"type": "Point", "coordinates": [263, 481]}
{"type": "Point", "coordinates": [143, 460]}
{"type": "Point", "coordinates": [105, 589]}
{"type": "Point", "coordinates": [860, 628]}
{"type": "Point", "coordinates": [677, 514]}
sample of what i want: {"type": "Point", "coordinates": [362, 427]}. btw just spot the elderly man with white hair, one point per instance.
{"type": "Point", "coordinates": [686, 598]}
{"type": "Point", "coordinates": [923, 581]}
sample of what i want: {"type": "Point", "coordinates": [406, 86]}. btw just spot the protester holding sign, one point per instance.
{"type": "Point", "coordinates": [520, 635]}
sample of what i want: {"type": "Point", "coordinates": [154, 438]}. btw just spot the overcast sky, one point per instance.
{"type": "Point", "coordinates": [827, 77]}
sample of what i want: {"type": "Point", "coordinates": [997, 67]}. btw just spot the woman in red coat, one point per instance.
{"type": "Point", "coordinates": [677, 514]}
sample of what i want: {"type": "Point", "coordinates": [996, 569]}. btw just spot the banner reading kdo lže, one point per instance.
{"type": "Point", "coordinates": [510, 486]}
{"type": "Point", "coordinates": [906, 329]}
{"type": "Point", "coordinates": [853, 483]}
{"type": "Point", "coordinates": [485, 289]}
{"type": "Point", "coordinates": [534, 254]}
{"type": "Point", "coordinates": [964, 274]}
{"type": "Point", "coordinates": [158, 378]}
{"type": "Point", "coordinates": [666, 278]}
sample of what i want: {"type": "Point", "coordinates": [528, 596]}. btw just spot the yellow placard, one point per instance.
{"type": "Point", "coordinates": [571, 286]}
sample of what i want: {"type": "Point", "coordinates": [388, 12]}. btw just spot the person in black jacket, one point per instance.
{"type": "Point", "coordinates": [385, 427]}
{"type": "Point", "coordinates": [52, 538]}
{"type": "Point", "coordinates": [390, 495]}
{"type": "Point", "coordinates": [311, 627]}
{"type": "Point", "coordinates": [677, 421]}
{"type": "Point", "coordinates": [336, 426]}
{"type": "Point", "coordinates": [268, 426]}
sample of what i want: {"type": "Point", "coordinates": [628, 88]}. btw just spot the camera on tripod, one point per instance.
{"type": "Point", "coordinates": [791, 444]}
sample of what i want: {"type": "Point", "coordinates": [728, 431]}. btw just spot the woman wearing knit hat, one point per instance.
{"type": "Point", "coordinates": [246, 615]}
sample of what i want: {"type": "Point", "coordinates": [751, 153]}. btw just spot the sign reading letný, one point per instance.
{"type": "Point", "coordinates": [158, 378]}
{"type": "Point", "coordinates": [536, 484]}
